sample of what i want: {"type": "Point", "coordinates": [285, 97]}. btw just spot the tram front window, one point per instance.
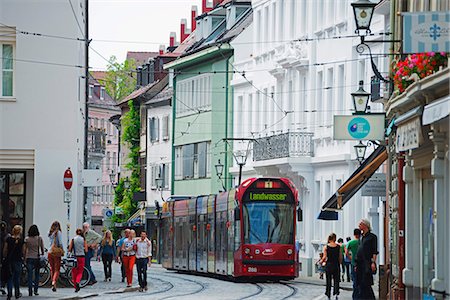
{"type": "Point", "coordinates": [267, 222]}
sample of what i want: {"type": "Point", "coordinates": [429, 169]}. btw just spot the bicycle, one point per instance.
{"type": "Point", "coordinates": [44, 274]}
{"type": "Point", "coordinates": [67, 264]}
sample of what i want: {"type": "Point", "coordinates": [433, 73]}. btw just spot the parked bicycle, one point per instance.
{"type": "Point", "coordinates": [67, 264]}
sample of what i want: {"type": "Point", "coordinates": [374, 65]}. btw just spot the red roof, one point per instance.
{"type": "Point", "coordinates": [141, 57]}
{"type": "Point", "coordinates": [98, 75]}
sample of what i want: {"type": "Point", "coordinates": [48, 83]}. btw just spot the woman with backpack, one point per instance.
{"type": "Point", "coordinates": [34, 248]}
{"type": "Point", "coordinates": [55, 252]}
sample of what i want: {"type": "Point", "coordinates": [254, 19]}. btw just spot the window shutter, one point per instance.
{"type": "Point", "coordinates": [157, 129]}
{"type": "Point", "coordinates": [165, 128]}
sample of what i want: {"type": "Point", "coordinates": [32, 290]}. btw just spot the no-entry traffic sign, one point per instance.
{"type": "Point", "coordinates": [68, 179]}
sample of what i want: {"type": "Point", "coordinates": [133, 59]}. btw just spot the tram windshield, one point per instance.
{"type": "Point", "coordinates": [268, 222]}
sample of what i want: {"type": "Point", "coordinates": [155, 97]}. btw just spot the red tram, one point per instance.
{"type": "Point", "coordinates": [244, 232]}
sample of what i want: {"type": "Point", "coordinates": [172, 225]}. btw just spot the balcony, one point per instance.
{"type": "Point", "coordinates": [96, 141]}
{"type": "Point", "coordinates": [291, 144]}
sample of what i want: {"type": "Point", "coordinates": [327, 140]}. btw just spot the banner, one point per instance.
{"type": "Point", "coordinates": [426, 32]}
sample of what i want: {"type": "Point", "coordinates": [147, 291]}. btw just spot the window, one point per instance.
{"type": "Point", "coordinates": [7, 67]}
{"type": "Point", "coordinates": [102, 93]}
{"type": "Point", "coordinates": [165, 128]}
{"type": "Point", "coordinates": [91, 91]}
{"type": "Point", "coordinates": [193, 94]}
{"type": "Point", "coordinates": [319, 104]}
{"type": "Point", "coordinates": [114, 161]}
{"type": "Point", "coordinates": [329, 109]}
{"type": "Point", "coordinates": [192, 161]}
{"type": "Point", "coordinates": [108, 160]}
{"type": "Point", "coordinates": [154, 129]}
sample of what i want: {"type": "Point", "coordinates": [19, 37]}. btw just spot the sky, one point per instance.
{"type": "Point", "coordinates": [148, 21]}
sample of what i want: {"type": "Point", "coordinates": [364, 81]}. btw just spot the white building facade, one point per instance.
{"type": "Point", "coordinates": [286, 101]}
{"type": "Point", "coordinates": [41, 113]}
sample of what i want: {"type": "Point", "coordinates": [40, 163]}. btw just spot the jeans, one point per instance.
{"type": "Point", "coordinates": [128, 262]}
{"type": "Point", "coordinates": [77, 272]}
{"type": "Point", "coordinates": [33, 267]}
{"type": "Point", "coordinates": [335, 276]}
{"type": "Point", "coordinates": [141, 265]}
{"type": "Point", "coordinates": [107, 264]}
{"type": "Point", "coordinates": [355, 285]}
{"type": "Point", "coordinates": [87, 262]}
{"type": "Point", "coordinates": [14, 279]}
{"type": "Point", "coordinates": [55, 266]}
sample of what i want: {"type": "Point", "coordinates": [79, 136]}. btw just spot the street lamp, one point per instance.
{"type": "Point", "coordinates": [219, 171]}
{"type": "Point", "coordinates": [360, 99]}
{"type": "Point", "coordinates": [363, 12]}
{"type": "Point", "coordinates": [360, 150]}
{"type": "Point", "coordinates": [126, 183]}
{"type": "Point", "coordinates": [241, 159]}
{"type": "Point", "coordinates": [112, 178]}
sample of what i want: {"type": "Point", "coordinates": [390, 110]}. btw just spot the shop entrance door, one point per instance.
{"type": "Point", "coordinates": [12, 197]}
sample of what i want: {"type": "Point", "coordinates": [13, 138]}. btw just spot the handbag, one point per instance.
{"type": "Point", "coordinates": [56, 250]}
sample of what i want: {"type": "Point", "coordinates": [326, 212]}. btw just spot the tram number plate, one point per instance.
{"type": "Point", "coordinates": [252, 269]}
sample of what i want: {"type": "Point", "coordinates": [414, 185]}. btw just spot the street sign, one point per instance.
{"type": "Point", "coordinates": [375, 186]}
{"type": "Point", "coordinates": [108, 213]}
{"type": "Point", "coordinates": [118, 210]}
{"type": "Point", "coordinates": [359, 127]}
{"type": "Point", "coordinates": [68, 179]}
{"type": "Point", "coordinates": [67, 196]}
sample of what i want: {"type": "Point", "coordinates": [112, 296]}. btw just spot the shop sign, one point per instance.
{"type": "Point", "coordinates": [409, 135]}
{"type": "Point", "coordinates": [426, 32]}
{"type": "Point", "coordinates": [375, 186]}
{"type": "Point", "coordinates": [359, 127]}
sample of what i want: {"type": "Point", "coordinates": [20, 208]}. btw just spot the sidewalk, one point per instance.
{"type": "Point", "coordinates": [348, 286]}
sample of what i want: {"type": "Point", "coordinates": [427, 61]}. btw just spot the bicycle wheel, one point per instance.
{"type": "Point", "coordinates": [44, 275]}
{"type": "Point", "coordinates": [86, 278]}
{"type": "Point", "coordinates": [68, 275]}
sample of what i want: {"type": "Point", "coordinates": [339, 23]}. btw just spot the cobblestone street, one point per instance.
{"type": "Point", "coordinates": [165, 284]}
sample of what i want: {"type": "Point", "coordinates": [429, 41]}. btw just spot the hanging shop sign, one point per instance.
{"type": "Point", "coordinates": [409, 135]}
{"type": "Point", "coordinates": [359, 127]}
{"type": "Point", "coordinates": [426, 32]}
{"type": "Point", "coordinates": [375, 186]}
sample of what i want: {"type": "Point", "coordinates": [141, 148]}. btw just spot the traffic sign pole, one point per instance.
{"type": "Point", "coordinates": [68, 181]}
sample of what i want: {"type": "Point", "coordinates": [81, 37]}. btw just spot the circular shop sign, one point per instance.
{"type": "Point", "coordinates": [358, 128]}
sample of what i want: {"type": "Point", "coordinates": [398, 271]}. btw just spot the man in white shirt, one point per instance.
{"type": "Point", "coordinates": [143, 257]}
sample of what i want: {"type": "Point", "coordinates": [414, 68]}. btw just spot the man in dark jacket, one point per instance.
{"type": "Point", "coordinates": [3, 235]}
{"type": "Point", "coordinates": [366, 261]}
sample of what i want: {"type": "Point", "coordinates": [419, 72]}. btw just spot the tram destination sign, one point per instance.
{"type": "Point", "coordinates": [267, 197]}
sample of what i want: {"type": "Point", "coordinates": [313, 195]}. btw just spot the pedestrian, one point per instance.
{"type": "Point", "coordinates": [129, 256]}
{"type": "Point", "coordinates": [34, 249]}
{"type": "Point", "coordinates": [320, 266]}
{"type": "Point", "coordinates": [4, 234]}
{"type": "Point", "coordinates": [143, 258]}
{"type": "Point", "coordinates": [56, 252]}
{"type": "Point", "coordinates": [341, 244]}
{"type": "Point", "coordinates": [108, 253]}
{"type": "Point", "coordinates": [13, 252]}
{"type": "Point", "coordinates": [347, 260]}
{"type": "Point", "coordinates": [78, 247]}
{"type": "Point", "coordinates": [120, 254]}
{"type": "Point", "coordinates": [366, 261]}
{"type": "Point", "coordinates": [332, 255]}
{"type": "Point", "coordinates": [92, 239]}
{"type": "Point", "coordinates": [350, 251]}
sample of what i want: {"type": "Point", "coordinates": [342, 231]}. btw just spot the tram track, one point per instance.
{"type": "Point", "coordinates": [259, 291]}
{"type": "Point", "coordinates": [201, 284]}
{"type": "Point", "coordinates": [292, 288]}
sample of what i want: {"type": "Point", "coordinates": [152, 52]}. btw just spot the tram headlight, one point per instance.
{"type": "Point", "coordinates": [289, 251]}
{"type": "Point", "coordinates": [257, 251]}
{"type": "Point", "coordinates": [247, 251]}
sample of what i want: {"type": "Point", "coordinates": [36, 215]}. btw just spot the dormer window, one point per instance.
{"type": "Point", "coordinates": [102, 93]}
{"type": "Point", "coordinates": [91, 91]}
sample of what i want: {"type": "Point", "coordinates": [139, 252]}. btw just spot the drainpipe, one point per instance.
{"type": "Point", "coordinates": [227, 171]}
{"type": "Point", "coordinates": [172, 177]}
{"type": "Point", "coordinates": [401, 224]}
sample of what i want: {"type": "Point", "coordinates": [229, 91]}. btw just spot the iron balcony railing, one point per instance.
{"type": "Point", "coordinates": [291, 144]}
{"type": "Point", "coordinates": [96, 141]}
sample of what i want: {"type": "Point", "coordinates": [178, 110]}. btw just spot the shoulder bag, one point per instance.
{"type": "Point", "coordinates": [56, 250]}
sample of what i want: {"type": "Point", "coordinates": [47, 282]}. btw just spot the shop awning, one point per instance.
{"type": "Point", "coordinates": [353, 184]}
{"type": "Point", "coordinates": [136, 218]}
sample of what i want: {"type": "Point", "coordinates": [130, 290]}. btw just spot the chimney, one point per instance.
{"type": "Point", "coordinates": [207, 5]}
{"type": "Point", "coordinates": [162, 48]}
{"type": "Point", "coordinates": [193, 16]}
{"type": "Point", "coordinates": [183, 31]}
{"type": "Point", "coordinates": [173, 38]}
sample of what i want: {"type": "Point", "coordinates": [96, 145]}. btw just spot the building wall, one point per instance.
{"type": "Point", "coordinates": [45, 116]}
{"type": "Point", "coordinates": [208, 124]}
{"type": "Point", "coordinates": [299, 87]}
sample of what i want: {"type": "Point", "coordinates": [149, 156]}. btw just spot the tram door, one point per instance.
{"type": "Point", "coordinates": [210, 233]}
{"type": "Point", "coordinates": [181, 228]}
{"type": "Point", "coordinates": [202, 254]}
{"type": "Point", "coordinates": [192, 234]}
{"type": "Point", "coordinates": [221, 233]}
{"type": "Point", "coordinates": [167, 236]}
{"type": "Point", "coordinates": [230, 232]}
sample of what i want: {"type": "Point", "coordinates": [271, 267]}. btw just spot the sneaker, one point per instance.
{"type": "Point", "coordinates": [109, 279]}
{"type": "Point", "coordinates": [36, 293]}
{"type": "Point", "coordinates": [141, 289]}
{"type": "Point", "coordinates": [77, 287]}
{"type": "Point", "coordinates": [146, 288]}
